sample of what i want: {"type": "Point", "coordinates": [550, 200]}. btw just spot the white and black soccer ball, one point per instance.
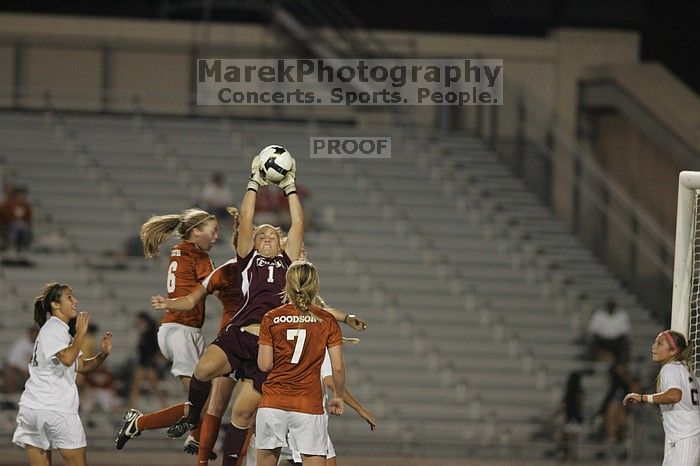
{"type": "Point", "coordinates": [275, 163]}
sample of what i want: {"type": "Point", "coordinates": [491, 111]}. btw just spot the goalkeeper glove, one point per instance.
{"type": "Point", "coordinates": [256, 179]}
{"type": "Point", "coordinates": [288, 183]}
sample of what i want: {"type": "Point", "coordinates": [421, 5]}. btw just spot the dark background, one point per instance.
{"type": "Point", "coordinates": [670, 30]}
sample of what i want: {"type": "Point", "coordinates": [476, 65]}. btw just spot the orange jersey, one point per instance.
{"type": "Point", "coordinates": [299, 345]}
{"type": "Point", "coordinates": [188, 267]}
{"type": "Point", "coordinates": [226, 279]}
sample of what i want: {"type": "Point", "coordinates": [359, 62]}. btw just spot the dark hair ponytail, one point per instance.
{"type": "Point", "coordinates": [42, 304]}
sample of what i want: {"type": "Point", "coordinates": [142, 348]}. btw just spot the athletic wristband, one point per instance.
{"type": "Point", "coordinates": [252, 186]}
{"type": "Point", "coordinates": [648, 398]}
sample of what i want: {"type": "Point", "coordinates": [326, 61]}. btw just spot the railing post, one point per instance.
{"type": "Point", "coordinates": [605, 223]}
{"type": "Point", "coordinates": [634, 227]}
{"type": "Point", "coordinates": [17, 75]}
{"type": "Point", "coordinates": [576, 195]}
{"type": "Point", "coordinates": [520, 138]}
{"type": "Point", "coordinates": [493, 140]}
{"type": "Point", "coordinates": [106, 77]}
{"type": "Point", "coordinates": [547, 163]}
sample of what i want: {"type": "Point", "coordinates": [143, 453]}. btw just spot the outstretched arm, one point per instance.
{"type": "Point", "coordinates": [351, 319]}
{"type": "Point", "coordinates": [183, 303]}
{"type": "Point", "coordinates": [670, 396]}
{"type": "Point", "coordinates": [353, 403]}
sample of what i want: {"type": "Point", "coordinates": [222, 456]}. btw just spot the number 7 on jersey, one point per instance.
{"type": "Point", "coordinates": [300, 335]}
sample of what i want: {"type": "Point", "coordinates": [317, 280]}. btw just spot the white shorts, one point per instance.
{"type": "Point", "coordinates": [330, 452]}
{"type": "Point", "coordinates": [684, 452]}
{"type": "Point", "coordinates": [307, 433]}
{"type": "Point", "coordinates": [181, 345]}
{"type": "Point", "coordinates": [48, 430]}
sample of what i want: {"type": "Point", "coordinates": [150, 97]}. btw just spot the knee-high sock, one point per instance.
{"type": "Point", "coordinates": [244, 451]}
{"type": "Point", "coordinates": [207, 438]}
{"type": "Point", "coordinates": [163, 418]}
{"type": "Point", "coordinates": [199, 391]}
{"type": "Point", "coordinates": [233, 445]}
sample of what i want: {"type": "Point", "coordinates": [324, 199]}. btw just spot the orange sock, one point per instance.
{"type": "Point", "coordinates": [209, 427]}
{"type": "Point", "coordinates": [163, 418]}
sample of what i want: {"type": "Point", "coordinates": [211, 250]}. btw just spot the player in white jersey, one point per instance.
{"type": "Point", "coordinates": [48, 409]}
{"type": "Point", "coordinates": [677, 393]}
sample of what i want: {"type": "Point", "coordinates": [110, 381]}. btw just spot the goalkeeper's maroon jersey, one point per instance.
{"type": "Point", "coordinates": [262, 284]}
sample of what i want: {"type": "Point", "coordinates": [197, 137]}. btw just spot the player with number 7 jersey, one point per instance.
{"type": "Point", "coordinates": [293, 343]}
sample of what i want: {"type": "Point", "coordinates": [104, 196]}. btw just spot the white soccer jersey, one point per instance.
{"type": "Point", "coordinates": [682, 419]}
{"type": "Point", "coordinates": [51, 385]}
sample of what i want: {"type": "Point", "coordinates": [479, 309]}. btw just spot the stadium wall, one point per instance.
{"type": "Point", "coordinates": [103, 64]}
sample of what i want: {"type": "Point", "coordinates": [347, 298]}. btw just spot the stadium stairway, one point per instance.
{"type": "Point", "coordinates": [476, 297]}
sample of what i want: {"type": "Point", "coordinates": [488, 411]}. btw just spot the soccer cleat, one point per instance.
{"type": "Point", "coordinates": [129, 429]}
{"type": "Point", "coordinates": [178, 429]}
{"type": "Point", "coordinates": [192, 447]}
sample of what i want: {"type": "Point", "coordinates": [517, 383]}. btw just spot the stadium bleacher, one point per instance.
{"type": "Point", "coordinates": [476, 296]}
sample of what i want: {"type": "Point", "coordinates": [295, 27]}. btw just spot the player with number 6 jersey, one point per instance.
{"type": "Point", "coordinates": [180, 336]}
{"type": "Point", "coordinates": [677, 395]}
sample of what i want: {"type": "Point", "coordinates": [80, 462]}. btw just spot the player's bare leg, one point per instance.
{"type": "Point", "coordinates": [268, 457]}
{"type": "Point", "coordinates": [212, 364]}
{"type": "Point", "coordinates": [74, 456]}
{"type": "Point", "coordinates": [313, 460]}
{"type": "Point", "coordinates": [38, 456]}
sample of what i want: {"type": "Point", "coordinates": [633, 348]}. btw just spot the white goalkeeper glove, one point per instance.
{"type": "Point", "coordinates": [256, 180]}
{"type": "Point", "coordinates": [288, 183]}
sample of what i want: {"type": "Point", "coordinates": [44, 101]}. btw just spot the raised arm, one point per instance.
{"type": "Point", "coordinates": [247, 211]}
{"type": "Point", "coordinates": [90, 364]}
{"type": "Point", "coordinates": [295, 237]}
{"type": "Point", "coordinates": [68, 355]}
{"type": "Point", "coordinates": [182, 304]}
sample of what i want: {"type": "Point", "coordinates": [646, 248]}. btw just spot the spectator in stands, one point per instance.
{"type": "Point", "coordinates": [620, 382]}
{"type": "Point", "coordinates": [216, 196]}
{"type": "Point", "coordinates": [272, 208]}
{"type": "Point", "coordinates": [608, 330]}
{"type": "Point", "coordinates": [148, 355]}
{"type": "Point", "coordinates": [8, 188]}
{"type": "Point", "coordinates": [16, 370]}
{"type": "Point", "coordinates": [16, 219]}
{"type": "Point", "coordinates": [100, 390]}
{"type": "Point", "coordinates": [572, 407]}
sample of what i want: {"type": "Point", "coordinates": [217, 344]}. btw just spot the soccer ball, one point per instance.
{"type": "Point", "coordinates": [275, 163]}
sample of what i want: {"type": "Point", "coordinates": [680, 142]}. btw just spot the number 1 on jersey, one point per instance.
{"type": "Point", "coordinates": [271, 275]}
{"type": "Point", "coordinates": [300, 335]}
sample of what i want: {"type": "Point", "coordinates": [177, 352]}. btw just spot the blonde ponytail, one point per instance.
{"type": "Point", "coordinates": [301, 287]}
{"type": "Point", "coordinates": [159, 228]}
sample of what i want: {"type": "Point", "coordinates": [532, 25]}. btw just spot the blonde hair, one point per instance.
{"type": "Point", "coordinates": [158, 228]}
{"type": "Point", "coordinates": [301, 287]}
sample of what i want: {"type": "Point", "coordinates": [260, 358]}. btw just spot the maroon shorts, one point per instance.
{"type": "Point", "coordinates": [241, 348]}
